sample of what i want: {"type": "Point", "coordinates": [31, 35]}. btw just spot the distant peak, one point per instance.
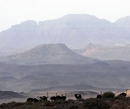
{"type": "Point", "coordinates": [124, 18]}
{"type": "Point", "coordinates": [73, 15]}
{"type": "Point", "coordinates": [28, 22]}
{"type": "Point", "coordinates": [56, 44]}
{"type": "Point", "coordinates": [123, 22]}
{"type": "Point", "coordinates": [78, 16]}
{"type": "Point", "coordinates": [51, 46]}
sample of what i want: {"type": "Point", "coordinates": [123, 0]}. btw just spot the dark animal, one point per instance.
{"type": "Point", "coordinates": [32, 100]}
{"type": "Point", "coordinates": [99, 96]}
{"type": "Point", "coordinates": [44, 98]}
{"type": "Point", "coordinates": [123, 94]}
{"type": "Point", "coordinates": [78, 96]}
{"type": "Point", "coordinates": [58, 97]}
{"type": "Point", "coordinates": [53, 98]}
{"type": "Point", "coordinates": [35, 100]}
{"type": "Point", "coordinates": [63, 98]}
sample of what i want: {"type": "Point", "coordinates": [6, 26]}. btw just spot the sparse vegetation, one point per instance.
{"type": "Point", "coordinates": [109, 102]}
{"type": "Point", "coordinates": [96, 104]}
{"type": "Point", "coordinates": [108, 95]}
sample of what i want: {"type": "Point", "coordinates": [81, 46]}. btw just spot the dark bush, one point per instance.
{"type": "Point", "coordinates": [3, 105]}
{"type": "Point", "coordinates": [50, 104]}
{"type": "Point", "coordinates": [10, 104]}
{"type": "Point", "coordinates": [71, 101]}
{"type": "Point", "coordinates": [73, 107]}
{"type": "Point", "coordinates": [108, 95]}
{"type": "Point", "coordinates": [96, 104]}
{"type": "Point", "coordinates": [59, 108]}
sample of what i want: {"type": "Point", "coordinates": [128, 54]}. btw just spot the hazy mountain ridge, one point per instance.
{"type": "Point", "coordinates": [18, 35]}
{"type": "Point", "coordinates": [111, 74]}
{"type": "Point", "coordinates": [9, 95]}
{"type": "Point", "coordinates": [74, 30]}
{"type": "Point", "coordinates": [108, 53]}
{"type": "Point", "coordinates": [123, 22]}
{"type": "Point", "coordinates": [59, 66]}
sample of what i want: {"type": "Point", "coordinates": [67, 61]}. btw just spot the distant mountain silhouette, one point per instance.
{"type": "Point", "coordinates": [9, 94]}
{"type": "Point", "coordinates": [49, 54]}
{"type": "Point", "coordinates": [108, 53]}
{"type": "Point", "coordinates": [74, 30]}
{"type": "Point", "coordinates": [123, 22]}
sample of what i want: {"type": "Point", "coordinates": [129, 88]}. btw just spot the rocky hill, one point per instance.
{"type": "Point", "coordinates": [9, 94]}
{"type": "Point", "coordinates": [109, 75]}
{"type": "Point", "coordinates": [49, 54]}
{"type": "Point", "coordinates": [108, 53]}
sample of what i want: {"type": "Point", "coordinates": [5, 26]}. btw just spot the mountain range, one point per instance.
{"type": "Point", "coordinates": [38, 55]}
{"type": "Point", "coordinates": [108, 75]}
{"type": "Point", "coordinates": [55, 66]}
{"type": "Point", "coordinates": [74, 30]}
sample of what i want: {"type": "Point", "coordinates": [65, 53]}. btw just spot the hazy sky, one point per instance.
{"type": "Point", "coordinates": [15, 11]}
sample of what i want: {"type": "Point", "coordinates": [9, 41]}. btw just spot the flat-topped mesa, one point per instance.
{"type": "Point", "coordinates": [50, 54]}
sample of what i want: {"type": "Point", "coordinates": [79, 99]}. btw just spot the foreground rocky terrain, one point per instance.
{"type": "Point", "coordinates": [108, 101]}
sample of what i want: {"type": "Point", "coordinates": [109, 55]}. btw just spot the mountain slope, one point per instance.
{"type": "Point", "coordinates": [9, 94]}
{"type": "Point", "coordinates": [18, 35]}
{"type": "Point", "coordinates": [49, 54]}
{"type": "Point", "coordinates": [109, 53]}
{"type": "Point", "coordinates": [123, 22]}
{"type": "Point", "coordinates": [77, 30]}
{"type": "Point", "coordinates": [114, 75]}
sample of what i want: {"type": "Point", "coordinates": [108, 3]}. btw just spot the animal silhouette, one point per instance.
{"type": "Point", "coordinates": [53, 98]}
{"type": "Point", "coordinates": [123, 94]}
{"type": "Point", "coordinates": [78, 96]}
{"type": "Point", "coordinates": [58, 97]}
{"type": "Point", "coordinates": [99, 96]}
{"type": "Point", "coordinates": [32, 100]}
{"type": "Point", "coordinates": [44, 98]}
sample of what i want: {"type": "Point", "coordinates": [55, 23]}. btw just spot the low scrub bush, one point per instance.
{"type": "Point", "coordinates": [96, 104]}
{"type": "Point", "coordinates": [108, 95]}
